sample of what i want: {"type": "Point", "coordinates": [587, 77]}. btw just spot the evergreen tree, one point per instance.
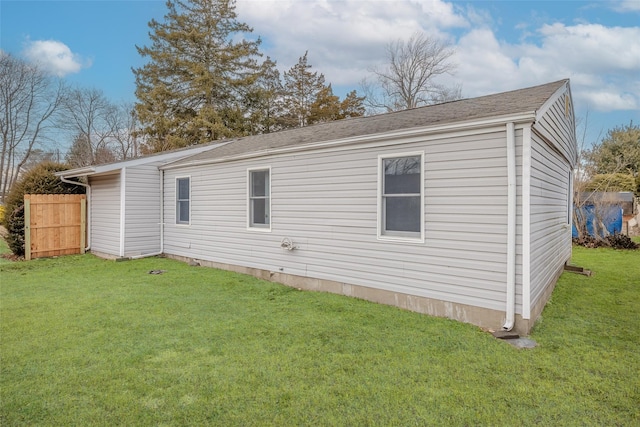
{"type": "Point", "coordinates": [302, 88]}
{"type": "Point", "coordinates": [328, 107]}
{"type": "Point", "coordinates": [265, 101]}
{"type": "Point", "coordinates": [193, 87]}
{"type": "Point", "coordinates": [619, 151]}
{"type": "Point", "coordinates": [325, 108]}
{"type": "Point", "coordinates": [352, 106]}
{"type": "Point", "coordinates": [309, 101]}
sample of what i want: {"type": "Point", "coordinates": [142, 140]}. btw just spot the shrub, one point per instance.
{"type": "Point", "coordinates": [615, 241]}
{"type": "Point", "coordinates": [14, 223]}
{"type": "Point", "coordinates": [39, 180]}
{"type": "Point", "coordinates": [589, 241]}
{"type": "Point", "coordinates": [612, 182]}
{"type": "Point", "coordinates": [620, 241]}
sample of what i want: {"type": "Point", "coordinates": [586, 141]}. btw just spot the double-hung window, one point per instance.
{"type": "Point", "coordinates": [183, 196]}
{"type": "Point", "coordinates": [260, 199]}
{"type": "Point", "coordinates": [401, 197]}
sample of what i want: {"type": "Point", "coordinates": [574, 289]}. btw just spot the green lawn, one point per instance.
{"type": "Point", "coordinates": [86, 341]}
{"type": "Point", "coordinates": [4, 249]}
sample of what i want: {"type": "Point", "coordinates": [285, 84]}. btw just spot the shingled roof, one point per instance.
{"type": "Point", "coordinates": [520, 101]}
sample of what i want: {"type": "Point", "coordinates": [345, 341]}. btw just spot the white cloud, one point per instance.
{"type": "Point", "coordinates": [54, 56]}
{"type": "Point", "coordinates": [345, 38]}
{"type": "Point", "coordinates": [603, 63]}
{"type": "Point", "coordinates": [626, 6]}
{"type": "Point", "coordinates": [593, 47]}
{"type": "Point", "coordinates": [484, 65]}
{"type": "Point", "coordinates": [610, 97]}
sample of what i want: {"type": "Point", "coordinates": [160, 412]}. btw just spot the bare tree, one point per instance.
{"type": "Point", "coordinates": [29, 101]}
{"type": "Point", "coordinates": [104, 131]}
{"type": "Point", "coordinates": [581, 177]}
{"type": "Point", "coordinates": [86, 113]}
{"type": "Point", "coordinates": [593, 208]}
{"type": "Point", "coordinates": [81, 153]}
{"type": "Point", "coordinates": [123, 120]}
{"type": "Point", "coordinates": [408, 79]}
{"type": "Point", "coordinates": [39, 156]}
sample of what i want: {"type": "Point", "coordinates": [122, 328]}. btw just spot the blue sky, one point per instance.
{"type": "Point", "coordinates": [500, 45]}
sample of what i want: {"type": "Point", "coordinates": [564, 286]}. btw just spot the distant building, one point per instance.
{"type": "Point", "coordinates": [624, 199]}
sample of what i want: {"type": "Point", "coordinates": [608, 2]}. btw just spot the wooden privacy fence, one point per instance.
{"type": "Point", "coordinates": [54, 224]}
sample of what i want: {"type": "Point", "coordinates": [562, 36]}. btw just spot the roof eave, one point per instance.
{"type": "Point", "coordinates": [76, 173]}
{"type": "Point", "coordinates": [518, 118]}
{"type": "Point", "coordinates": [564, 88]}
{"type": "Point", "coordinates": [157, 157]}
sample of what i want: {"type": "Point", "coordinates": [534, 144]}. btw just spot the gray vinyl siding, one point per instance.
{"type": "Point", "coordinates": [105, 214]}
{"type": "Point", "coordinates": [559, 128]}
{"type": "Point", "coordinates": [142, 226]}
{"type": "Point", "coordinates": [325, 201]}
{"type": "Point", "coordinates": [550, 232]}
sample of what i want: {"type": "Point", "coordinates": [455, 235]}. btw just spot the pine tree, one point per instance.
{"type": "Point", "coordinates": [308, 100]}
{"type": "Point", "coordinates": [352, 106]}
{"type": "Point", "coordinates": [301, 88]}
{"type": "Point", "coordinates": [265, 101]}
{"type": "Point", "coordinates": [325, 108]}
{"type": "Point", "coordinates": [193, 87]}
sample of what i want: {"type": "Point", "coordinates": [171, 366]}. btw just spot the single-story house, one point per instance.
{"type": "Point", "coordinates": [460, 209]}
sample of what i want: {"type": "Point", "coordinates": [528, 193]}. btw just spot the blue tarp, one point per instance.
{"type": "Point", "coordinates": [609, 216]}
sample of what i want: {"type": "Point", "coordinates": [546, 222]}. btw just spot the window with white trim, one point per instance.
{"type": "Point", "coordinates": [183, 196]}
{"type": "Point", "coordinates": [401, 196]}
{"type": "Point", "coordinates": [259, 199]}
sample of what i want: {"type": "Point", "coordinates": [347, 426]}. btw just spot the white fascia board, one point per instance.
{"type": "Point", "coordinates": [379, 137]}
{"type": "Point", "coordinates": [552, 99]}
{"type": "Point", "coordinates": [161, 157]}
{"type": "Point", "coordinates": [74, 173]}
{"type": "Point", "coordinates": [194, 152]}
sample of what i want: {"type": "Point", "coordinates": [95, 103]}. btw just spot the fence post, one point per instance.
{"type": "Point", "coordinates": [83, 224]}
{"type": "Point", "coordinates": [27, 228]}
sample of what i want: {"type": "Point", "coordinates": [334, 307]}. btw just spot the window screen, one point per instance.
{"type": "Point", "coordinates": [259, 200]}
{"type": "Point", "coordinates": [182, 200]}
{"type": "Point", "coordinates": [402, 196]}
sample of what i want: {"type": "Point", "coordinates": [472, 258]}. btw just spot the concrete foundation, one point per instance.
{"type": "Point", "coordinates": [103, 254]}
{"type": "Point", "coordinates": [538, 306]}
{"type": "Point", "coordinates": [483, 317]}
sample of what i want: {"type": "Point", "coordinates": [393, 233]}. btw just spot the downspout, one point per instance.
{"type": "Point", "coordinates": [570, 203]}
{"type": "Point", "coordinates": [526, 222]}
{"type": "Point", "coordinates": [511, 228]}
{"type": "Point", "coordinates": [161, 223]}
{"type": "Point", "coordinates": [123, 209]}
{"type": "Point", "coordinates": [88, 191]}
{"type": "Point", "coordinates": [161, 212]}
